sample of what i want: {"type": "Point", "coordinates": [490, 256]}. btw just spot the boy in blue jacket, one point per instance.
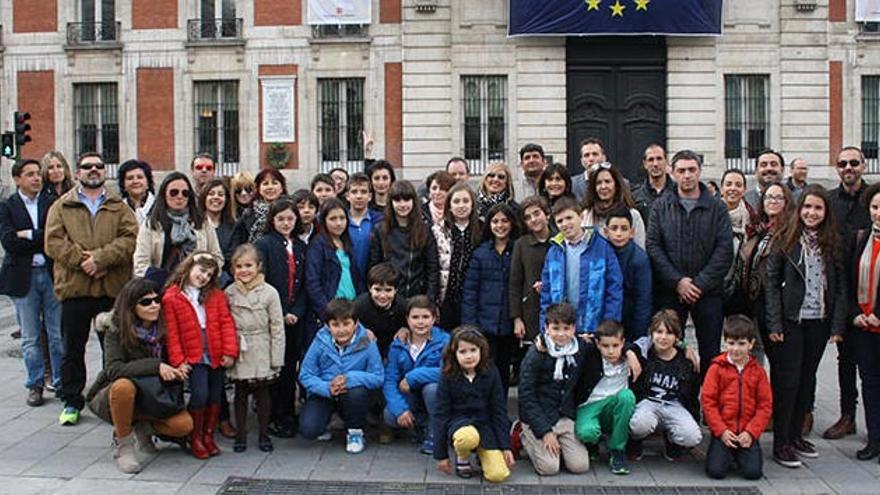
{"type": "Point", "coordinates": [636, 270]}
{"type": "Point", "coordinates": [339, 370]}
{"type": "Point", "coordinates": [413, 371]}
{"type": "Point", "coordinates": [581, 269]}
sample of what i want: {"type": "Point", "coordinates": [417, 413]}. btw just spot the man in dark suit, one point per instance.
{"type": "Point", "coordinates": [26, 275]}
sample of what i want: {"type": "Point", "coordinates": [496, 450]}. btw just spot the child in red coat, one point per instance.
{"type": "Point", "coordinates": [201, 333]}
{"type": "Point", "coordinates": [737, 403]}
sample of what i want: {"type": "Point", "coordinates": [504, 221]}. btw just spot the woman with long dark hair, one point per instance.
{"type": "Point", "coordinates": [806, 263]}
{"type": "Point", "coordinates": [270, 185]}
{"type": "Point", "coordinates": [606, 191]}
{"type": "Point", "coordinates": [176, 227]}
{"type": "Point", "coordinates": [134, 346]}
{"type": "Point", "coordinates": [406, 242]}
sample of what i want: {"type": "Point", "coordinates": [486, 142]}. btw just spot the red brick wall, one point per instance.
{"type": "Point", "coordinates": [34, 16]}
{"type": "Point", "coordinates": [835, 108]}
{"type": "Point", "coordinates": [394, 113]}
{"type": "Point", "coordinates": [154, 14]}
{"type": "Point", "coordinates": [155, 116]}
{"type": "Point", "coordinates": [281, 70]}
{"type": "Point", "coordinates": [277, 12]}
{"type": "Point", "coordinates": [836, 11]}
{"type": "Point", "coordinates": [389, 11]}
{"type": "Point", "coordinates": [36, 95]}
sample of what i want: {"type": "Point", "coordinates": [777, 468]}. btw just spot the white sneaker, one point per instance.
{"type": "Point", "coordinates": [325, 437]}
{"type": "Point", "coordinates": [354, 441]}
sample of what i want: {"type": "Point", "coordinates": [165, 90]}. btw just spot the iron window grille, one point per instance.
{"type": "Point", "coordinates": [484, 122]}
{"type": "Point", "coordinates": [746, 119]}
{"type": "Point", "coordinates": [341, 123]}
{"type": "Point", "coordinates": [96, 121]}
{"type": "Point", "coordinates": [871, 122]}
{"type": "Point", "coordinates": [216, 123]}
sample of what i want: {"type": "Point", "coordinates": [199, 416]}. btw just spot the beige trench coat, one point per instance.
{"type": "Point", "coordinates": [260, 328]}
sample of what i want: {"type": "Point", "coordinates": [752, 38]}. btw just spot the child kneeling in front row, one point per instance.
{"type": "Point", "coordinates": [339, 370]}
{"type": "Point", "coordinates": [666, 390]}
{"type": "Point", "coordinates": [413, 371]}
{"type": "Point", "coordinates": [548, 376]}
{"type": "Point", "coordinates": [609, 402]}
{"type": "Point", "coordinates": [737, 403]}
{"type": "Point", "coordinates": [471, 412]}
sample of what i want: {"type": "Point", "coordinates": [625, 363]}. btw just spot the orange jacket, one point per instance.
{"type": "Point", "coordinates": [736, 401]}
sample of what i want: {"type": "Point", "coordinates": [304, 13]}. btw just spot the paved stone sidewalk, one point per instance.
{"type": "Point", "coordinates": [38, 456]}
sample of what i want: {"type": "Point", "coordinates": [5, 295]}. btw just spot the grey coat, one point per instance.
{"type": "Point", "coordinates": [259, 325]}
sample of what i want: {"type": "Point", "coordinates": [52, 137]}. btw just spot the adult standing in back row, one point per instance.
{"type": "Point", "coordinates": [90, 234]}
{"type": "Point", "coordinates": [690, 243]}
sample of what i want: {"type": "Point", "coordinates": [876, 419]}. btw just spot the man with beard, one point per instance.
{"type": "Point", "coordinates": [768, 170]}
{"type": "Point", "coordinates": [850, 216]}
{"type": "Point", "coordinates": [690, 243]}
{"type": "Point", "coordinates": [90, 235]}
{"type": "Point", "coordinates": [797, 179]}
{"type": "Point", "coordinates": [657, 181]}
{"type": "Point", "coordinates": [532, 163]}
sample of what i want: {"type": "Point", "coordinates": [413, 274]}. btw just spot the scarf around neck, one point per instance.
{"type": "Point", "coordinates": [459, 261]}
{"type": "Point", "coordinates": [563, 354]}
{"type": "Point", "coordinates": [869, 274]}
{"type": "Point", "coordinates": [182, 232]}
{"type": "Point", "coordinates": [261, 213]}
{"type": "Point", "coordinates": [149, 338]}
{"type": "Point", "coordinates": [739, 218]}
{"type": "Point", "coordinates": [486, 201]}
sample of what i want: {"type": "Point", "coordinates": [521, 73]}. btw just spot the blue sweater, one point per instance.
{"type": "Point", "coordinates": [485, 295]}
{"type": "Point", "coordinates": [601, 283]}
{"type": "Point", "coordinates": [637, 290]}
{"type": "Point", "coordinates": [359, 362]}
{"type": "Point", "coordinates": [423, 371]}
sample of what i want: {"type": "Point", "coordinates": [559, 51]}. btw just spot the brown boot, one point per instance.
{"type": "Point", "coordinates": [227, 430]}
{"type": "Point", "coordinates": [844, 426]}
{"type": "Point", "coordinates": [808, 424]}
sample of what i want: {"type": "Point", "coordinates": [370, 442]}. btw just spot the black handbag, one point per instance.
{"type": "Point", "coordinates": [156, 398]}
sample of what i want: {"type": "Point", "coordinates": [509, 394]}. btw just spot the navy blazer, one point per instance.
{"type": "Point", "coordinates": [323, 272]}
{"type": "Point", "coordinates": [273, 250]}
{"type": "Point", "coordinates": [15, 274]}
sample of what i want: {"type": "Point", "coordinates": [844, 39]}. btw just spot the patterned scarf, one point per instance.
{"type": "Point", "coordinates": [486, 201]}
{"type": "Point", "coordinates": [564, 355]}
{"type": "Point", "coordinates": [869, 276]}
{"type": "Point", "coordinates": [739, 218]}
{"type": "Point", "coordinates": [182, 233]}
{"type": "Point", "coordinates": [149, 338]}
{"type": "Point", "coordinates": [261, 213]}
{"type": "Point", "coordinates": [458, 264]}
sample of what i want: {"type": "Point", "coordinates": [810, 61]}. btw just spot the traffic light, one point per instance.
{"type": "Point", "coordinates": [22, 128]}
{"type": "Point", "coordinates": [8, 145]}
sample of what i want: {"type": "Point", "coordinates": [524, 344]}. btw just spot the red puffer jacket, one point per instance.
{"type": "Point", "coordinates": [736, 401]}
{"type": "Point", "coordinates": [184, 341]}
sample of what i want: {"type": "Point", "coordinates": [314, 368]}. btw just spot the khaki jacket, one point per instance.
{"type": "Point", "coordinates": [260, 327]}
{"type": "Point", "coordinates": [151, 245]}
{"type": "Point", "coordinates": [109, 235]}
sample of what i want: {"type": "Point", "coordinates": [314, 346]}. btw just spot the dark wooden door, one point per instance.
{"type": "Point", "coordinates": [617, 92]}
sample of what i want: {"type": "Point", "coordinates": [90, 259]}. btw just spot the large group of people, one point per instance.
{"type": "Point", "coordinates": [417, 309]}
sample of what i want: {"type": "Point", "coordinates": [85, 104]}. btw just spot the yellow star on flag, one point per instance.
{"type": "Point", "coordinates": [617, 9]}
{"type": "Point", "coordinates": [593, 4]}
{"type": "Point", "coordinates": [642, 4]}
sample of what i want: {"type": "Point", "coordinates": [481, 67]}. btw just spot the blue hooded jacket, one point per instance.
{"type": "Point", "coordinates": [423, 371]}
{"type": "Point", "coordinates": [601, 282]}
{"type": "Point", "coordinates": [359, 361]}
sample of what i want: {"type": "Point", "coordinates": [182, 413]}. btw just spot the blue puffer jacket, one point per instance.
{"type": "Point", "coordinates": [360, 362]}
{"type": "Point", "coordinates": [601, 282]}
{"type": "Point", "coordinates": [484, 298]}
{"type": "Point", "coordinates": [323, 272]}
{"type": "Point", "coordinates": [637, 290]}
{"type": "Point", "coordinates": [423, 371]}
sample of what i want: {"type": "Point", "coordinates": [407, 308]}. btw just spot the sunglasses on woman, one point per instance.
{"type": "Point", "coordinates": [148, 301]}
{"type": "Point", "coordinates": [174, 192]}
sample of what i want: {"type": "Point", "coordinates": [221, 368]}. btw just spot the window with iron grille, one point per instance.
{"type": "Point", "coordinates": [341, 123]}
{"type": "Point", "coordinates": [746, 119]}
{"type": "Point", "coordinates": [216, 119]}
{"type": "Point", "coordinates": [98, 20]}
{"type": "Point", "coordinates": [96, 120]}
{"type": "Point", "coordinates": [217, 19]}
{"type": "Point", "coordinates": [484, 122]}
{"type": "Point", "coordinates": [871, 122]}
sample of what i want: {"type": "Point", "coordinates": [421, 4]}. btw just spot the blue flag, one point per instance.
{"type": "Point", "coordinates": [614, 17]}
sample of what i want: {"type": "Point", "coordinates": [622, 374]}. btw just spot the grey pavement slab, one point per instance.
{"type": "Point", "coordinates": [39, 456]}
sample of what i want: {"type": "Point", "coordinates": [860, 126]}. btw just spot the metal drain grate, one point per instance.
{"type": "Point", "coordinates": [235, 485]}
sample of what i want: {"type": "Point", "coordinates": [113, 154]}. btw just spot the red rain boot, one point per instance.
{"type": "Point", "coordinates": [212, 419]}
{"type": "Point", "coordinates": [196, 445]}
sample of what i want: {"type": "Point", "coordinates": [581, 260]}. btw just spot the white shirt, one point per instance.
{"type": "Point", "coordinates": [615, 380]}
{"type": "Point", "coordinates": [33, 209]}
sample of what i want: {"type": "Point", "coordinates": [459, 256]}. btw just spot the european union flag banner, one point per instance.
{"type": "Point", "coordinates": [614, 17]}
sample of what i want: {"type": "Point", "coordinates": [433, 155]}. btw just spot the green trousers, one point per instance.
{"type": "Point", "coordinates": [610, 416]}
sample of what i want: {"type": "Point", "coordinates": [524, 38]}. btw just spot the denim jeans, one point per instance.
{"type": "Point", "coordinates": [39, 306]}
{"type": "Point", "coordinates": [316, 412]}
{"type": "Point", "coordinates": [422, 405]}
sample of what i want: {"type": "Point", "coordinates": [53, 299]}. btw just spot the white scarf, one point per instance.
{"type": "Point", "coordinates": [866, 270]}
{"type": "Point", "coordinates": [563, 354]}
